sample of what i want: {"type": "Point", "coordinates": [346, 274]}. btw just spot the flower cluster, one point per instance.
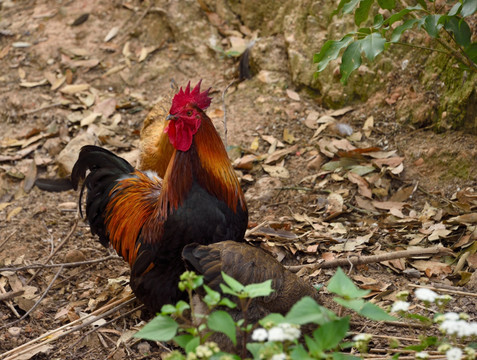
{"type": "Point", "coordinates": [204, 351]}
{"type": "Point", "coordinates": [281, 332]}
{"type": "Point", "coordinates": [422, 355]}
{"type": "Point", "coordinates": [362, 341]}
{"type": "Point", "coordinates": [400, 306]}
{"type": "Point", "coordinates": [429, 296]}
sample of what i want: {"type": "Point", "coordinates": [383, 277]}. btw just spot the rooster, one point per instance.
{"type": "Point", "coordinates": [149, 220]}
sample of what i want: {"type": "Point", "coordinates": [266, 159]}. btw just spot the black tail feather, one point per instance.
{"type": "Point", "coordinates": [105, 169]}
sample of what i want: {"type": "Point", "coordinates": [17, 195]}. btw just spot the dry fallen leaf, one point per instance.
{"type": "Point", "coordinates": [14, 212]}
{"type": "Point", "coordinates": [293, 95]}
{"type": "Point", "coordinates": [368, 126]}
{"type": "Point", "coordinates": [432, 267]}
{"type": "Point", "coordinates": [363, 187]}
{"type": "Point", "coordinates": [279, 154]}
{"type": "Point", "coordinates": [74, 89]}
{"type": "Point", "coordinates": [276, 171]}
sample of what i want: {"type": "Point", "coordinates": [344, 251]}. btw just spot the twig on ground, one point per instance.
{"type": "Point", "coordinates": [68, 329]}
{"type": "Point", "coordinates": [8, 238]}
{"type": "Point", "coordinates": [9, 303]}
{"type": "Point", "coordinates": [394, 323]}
{"type": "Point", "coordinates": [10, 295]}
{"type": "Point", "coordinates": [434, 288]}
{"type": "Point", "coordinates": [66, 265]}
{"type": "Point", "coordinates": [373, 258]}
{"type": "Point", "coordinates": [60, 245]}
{"type": "Point", "coordinates": [41, 108]}
{"type": "Point", "coordinates": [108, 322]}
{"type": "Point", "coordinates": [415, 340]}
{"type": "Point", "coordinates": [224, 108]}
{"type": "Point", "coordinates": [256, 228]}
{"type": "Point", "coordinates": [37, 302]}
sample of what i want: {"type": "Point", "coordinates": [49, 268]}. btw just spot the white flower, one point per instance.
{"type": "Point", "coordinates": [454, 354]}
{"type": "Point", "coordinates": [422, 355]}
{"type": "Point", "coordinates": [427, 295]}
{"type": "Point", "coordinates": [362, 337]}
{"type": "Point", "coordinates": [283, 332]}
{"type": "Point", "coordinates": [203, 351]}
{"type": "Point", "coordinates": [276, 334]}
{"type": "Point", "coordinates": [400, 306]}
{"type": "Point", "coordinates": [280, 356]}
{"type": "Point", "coordinates": [460, 328]}
{"type": "Point", "coordinates": [290, 332]}
{"type": "Point", "coordinates": [259, 334]}
{"type": "Point", "coordinates": [451, 316]}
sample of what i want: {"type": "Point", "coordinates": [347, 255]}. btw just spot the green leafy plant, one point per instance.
{"type": "Point", "coordinates": [274, 337]}
{"type": "Point", "coordinates": [448, 28]}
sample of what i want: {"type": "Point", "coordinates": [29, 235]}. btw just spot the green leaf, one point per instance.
{"type": "Point", "coordinates": [421, 318]}
{"type": "Point", "coordinates": [161, 328]}
{"type": "Point", "coordinates": [234, 284]}
{"type": "Point", "coordinates": [387, 4]}
{"type": "Point", "coordinates": [425, 343]}
{"type": "Point", "coordinates": [362, 12]}
{"type": "Point", "coordinates": [168, 309]}
{"type": "Point", "coordinates": [374, 312]}
{"type": "Point", "coordinates": [330, 51]}
{"type": "Point", "coordinates": [341, 285]}
{"type": "Point", "coordinates": [471, 52]}
{"type": "Point", "coordinates": [307, 311]}
{"type": "Point", "coordinates": [192, 345]}
{"type": "Point", "coordinates": [299, 353]}
{"type": "Point", "coordinates": [221, 321]}
{"type": "Point", "coordinates": [254, 349]}
{"type": "Point", "coordinates": [431, 25]}
{"type": "Point", "coordinates": [468, 7]}
{"type": "Point", "coordinates": [350, 61]}
{"type": "Point", "coordinates": [227, 302]}
{"type": "Point", "coordinates": [348, 6]}
{"type": "Point", "coordinates": [226, 290]}
{"type": "Point", "coordinates": [273, 318]}
{"type": "Point", "coordinates": [406, 25]}
{"type": "Point", "coordinates": [183, 340]}
{"type": "Point", "coordinates": [261, 289]}
{"type": "Point", "coordinates": [353, 304]}
{"type": "Point", "coordinates": [422, 3]}
{"type": "Point", "coordinates": [460, 29]}
{"type": "Point", "coordinates": [212, 298]}
{"type": "Point", "coordinates": [329, 335]}
{"type": "Point", "coordinates": [223, 355]}
{"type": "Point", "coordinates": [313, 347]}
{"type": "Point", "coordinates": [373, 45]}
{"type": "Point", "coordinates": [455, 9]}
{"type": "Point", "coordinates": [182, 306]}
{"type": "Point", "coordinates": [378, 21]}
{"type": "Point", "coordinates": [398, 16]}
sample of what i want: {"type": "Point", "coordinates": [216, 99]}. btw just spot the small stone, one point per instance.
{"type": "Point", "coordinates": [144, 348]}
{"type": "Point", "coordinates": [14, 331]}
{"type": "Point", "coordinates": [74, 256]}
{"type": "Point", "coordinates": [53, 146]}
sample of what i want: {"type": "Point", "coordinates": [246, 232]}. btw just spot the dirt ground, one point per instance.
{"type": "Point", "coordinates": [413, 198]}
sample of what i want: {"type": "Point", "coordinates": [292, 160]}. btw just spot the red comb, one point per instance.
{"type": "Point", "coordinates": [182, 98]}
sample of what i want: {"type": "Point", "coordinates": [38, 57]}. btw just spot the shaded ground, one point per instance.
{"type": "Point", "coordinates": [412, 197]}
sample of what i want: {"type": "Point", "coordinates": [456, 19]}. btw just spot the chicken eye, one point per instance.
{"type": "Point", "coordinates": [189, 113]}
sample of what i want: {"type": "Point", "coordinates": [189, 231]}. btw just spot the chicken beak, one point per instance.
{"type": "Point", "coordinates": [171, 117]}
